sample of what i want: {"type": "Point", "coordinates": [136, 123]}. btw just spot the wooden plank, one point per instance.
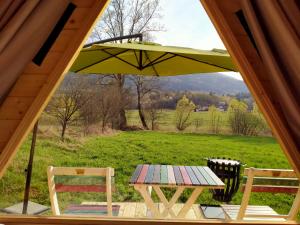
{"type": "Point", "coordinates": [274, 181]}
{"type": "Point", "coordinates": [273, 189]}
{"type": "Point", "coordinates": [271, 173]}
{"type": "Point", "coordinates": [164, 175]}
{"type": "Point", "coordinates": [156, 176]}
{"type": "Point", "coordinates": [136, 174]}
{"type": "Point", "coordinates": [192, 175]}
{"type": "Point", "coordinates": [83, 4]}
{"type": "Point", "coordinates": [80, 171]}
{"type": "Point", "coordinates": [52, 193]}
{"type": "Point", "coordinates": [141, 210]}
{"type": "Point", "coordinates": [171, 175]}
{"type": "Point", "coordinates": [14, 108]}
{"type": "Point", "coordinates": [208, 178]}
{"type": "Point", "coordinates": [129, 209]}
{"type": "Point", "coordinates": [7, 128]}
{"type": "Point", "coordinates": [47, 65]}
{"type": "Point", "coordinates": [216, 179]}
{"type": "Point", "coordinates": [143, 174]}
{"type": "Point", "coordinates": [150, 174]}
{"type": "Point", "coordinates": [178, 176]}
{"type": "Point", "coordinates": [79, 188]}
{"type": "Point", "coordinates": [77, 18]}
{"type": "Point", "coordinates": [199, 176]}
{"type": "Point", "coordinates": [186, 179]}
{"type": "Point", "coordinates": [63, 40]}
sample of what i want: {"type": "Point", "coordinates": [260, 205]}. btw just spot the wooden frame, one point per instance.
{"type": "Point", "coordinates": [34, 88]}
{"type": "Point", "coordinates": [252, 173]}
{"type": "Point", "coordinates": [78, 171]}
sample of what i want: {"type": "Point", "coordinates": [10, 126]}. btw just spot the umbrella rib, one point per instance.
{"type": "Point", "coordinates": [211, 64]}
{"type": "Point", "coordinates": [123, 60]}
{"type": "Point", "coordinates": [102, 60]}
{"type": "Point", "coordinates": [152, 62]}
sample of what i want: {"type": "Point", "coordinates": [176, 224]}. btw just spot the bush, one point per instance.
{"type": "Point", "coordinates": [184, 108]}
{"type": "Point", "coordinates": [242, 121]}
{"type": "Point", "coordinates": [214, 119]}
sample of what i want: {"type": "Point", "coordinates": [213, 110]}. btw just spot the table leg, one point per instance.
{"type": "Point", "coordinates": [148, 201]}
{"type": "Point", "coordinates": [189, 203]}
{"type": "Point", "coordinates": [168, 204]}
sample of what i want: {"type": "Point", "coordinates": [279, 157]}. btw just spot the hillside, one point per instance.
{"type": "Point", "coordinates": [214, 82]}
{"type": "Point", "coordinates": [210, 82]}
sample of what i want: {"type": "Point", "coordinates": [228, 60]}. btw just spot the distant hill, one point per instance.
{"type": "Point", "coordinates": [214, 82]}
{"type": "Point", "coordinates": [210, 82]}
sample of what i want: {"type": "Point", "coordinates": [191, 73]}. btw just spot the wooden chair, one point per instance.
{"type": "Point", "coordinates": [265, 180]}
{"type": "Point", "coordinates": [81, 209]}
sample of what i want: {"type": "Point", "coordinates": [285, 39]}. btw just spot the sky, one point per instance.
{"type": "Point", "coordinates": [187, 24]}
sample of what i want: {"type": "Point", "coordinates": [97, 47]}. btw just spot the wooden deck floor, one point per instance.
{"type": "Point", "coordinates": [139, 210]}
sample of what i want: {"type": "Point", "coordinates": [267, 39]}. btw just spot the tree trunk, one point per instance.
{"type": "Point", "coordinates": [141, 114]}
{"type": "Point", "coordinates": [122, 113]}
{"type": "Point", "coordinates": [64, 126]}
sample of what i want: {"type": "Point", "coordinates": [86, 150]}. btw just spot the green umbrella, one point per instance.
{"type": "Point", "coordinates": [150, 59]}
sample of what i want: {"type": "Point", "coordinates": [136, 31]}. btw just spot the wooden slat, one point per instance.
{"type": "Point", "coordinates": [7, 128]}
{"type": "Point", "coordinates": [47, 66]}
{"type": "Point", "coordinates": [143, 174]}
{"type": "Point", "coordinates": [14, 108]}
{"type": "Point", "coordinates": [171, 175]}
{"type": "Point", "coordinates": [216, 179]}
{"type": "Point", "coordinates": [192, 175]}
{"type": "Point", "coordinates": [178, 176]}
{"type": "Point", "coordinates": [199, 176]}
{"type": "Point", "coordinates": [150, 174]}
{"type": "Point", "coordinates": [208, 178]}
{"type": "Point", "coordinates": [77, 18]}
{"type": "Point", "coordinates": [186, 179]}
{"type": "Point", "coordinates": [271, 173]}
{"type": "Point", "coordinates": [84, 3]}
{"type": "Point", "coordinates": [274, 181]}
{"type": "Point", "coordinates": [136, 174]}
{"type": "Point", "coordinates": [79, 188]}
{"type": "Point", "coordinates": [63, 40]}
{"type": "Point", "coordinates": [80, 171]}
{"type": "Point", "coordinates": [164, 175]}
{"type": "Point", "coordinates": [273, 189]}
{"type": "Point", "coordinates": [156, 177]}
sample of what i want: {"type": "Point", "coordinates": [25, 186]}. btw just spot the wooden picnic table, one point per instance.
{"type": "Point", "coordinates": [146, 177]}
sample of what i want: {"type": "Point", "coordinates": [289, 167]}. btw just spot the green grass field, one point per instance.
{"type": "Point", "coordinates": [127, 149]}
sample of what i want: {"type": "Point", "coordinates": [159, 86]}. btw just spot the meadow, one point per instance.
{"type": "Point", "coordinates": [124, 150]}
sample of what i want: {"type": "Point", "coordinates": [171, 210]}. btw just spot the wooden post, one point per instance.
{"type": "Point", "coordinates": [108, 191]}
{"type": "Point", "coordinates": [246, 196]}
{"type": "Point", "coordinates": [295, 207]}
{"type": "Point", "coordinates": [52, 192]}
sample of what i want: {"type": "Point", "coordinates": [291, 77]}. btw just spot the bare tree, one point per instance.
{"type": "Point", "coordinates": [153, 111]}
{"type": "Point", "coordinates": [144, 86]}
{"type": "Point", "coordinates": [127, 17]}
{"type": "Point", "coordinates": [67, 102]}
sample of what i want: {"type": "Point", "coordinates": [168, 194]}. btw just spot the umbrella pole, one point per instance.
{"type": "Point", "coordinates": [29, 169]}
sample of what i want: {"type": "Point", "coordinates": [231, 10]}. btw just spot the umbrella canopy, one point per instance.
{"type": "Point", "coordinates": [150, 59]}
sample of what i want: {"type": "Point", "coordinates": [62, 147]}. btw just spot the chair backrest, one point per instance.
{"type": "Point", "coordinates": [55, 187]}
{"type": "Point", "coordinates": [270, 180]}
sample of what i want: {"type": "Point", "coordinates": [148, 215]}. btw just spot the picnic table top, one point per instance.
{"type": "Point", "coordinates": [169, 175]}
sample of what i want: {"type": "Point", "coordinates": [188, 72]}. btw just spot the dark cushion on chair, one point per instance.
{"type": "Point", "coordinates": [91, 210]}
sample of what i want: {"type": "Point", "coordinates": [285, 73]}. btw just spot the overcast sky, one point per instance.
{"type": "Point", "coordinates": [187, 24]}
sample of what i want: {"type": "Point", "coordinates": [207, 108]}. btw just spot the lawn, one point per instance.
{"type": "Point", "coordinates": [127, 149]}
